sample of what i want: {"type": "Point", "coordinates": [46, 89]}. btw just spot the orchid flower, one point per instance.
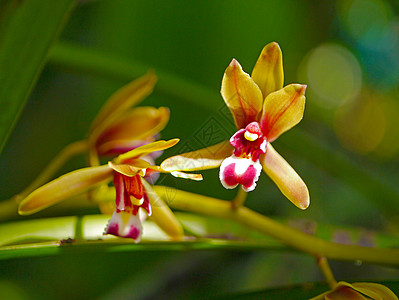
{"type": "Point", "coordinates": [358, 291]}
{"type": "Point", "coordinates": [133, 193]}
{"type": "Point", "coordinates": [118, 128]}
{"type": "Point", "coordinates": [262, 110]}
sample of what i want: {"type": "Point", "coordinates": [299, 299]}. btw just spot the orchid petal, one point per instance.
{"type": "Point", "coordinates": [207, 158]}
{"type": "Point", "coordinates": [162, 215]}
{"type": "Point", "coordinates": [125, 224]}
{"type": "Point", "coordinates": [282, 110]}
{"type": "Point", "coordinates": [285, 177]}
{"type": "Point", "coordinates": [66, 186]}
{"type": "Point", "coordinates": [358, 291]}
{"type": "Point", "coordinates": [241, 94]}
{"type": "Point", "coordinates": [196, 177]}
{"type": "Point", "coordinates": [136, 166]}
{"type": "Point", "coordinates": [268, 72]}
{"type": "Point", "coordinates": [146, 149]}
{"type": "Point", "coordinates": [117, 147]}
{"type": "Point", "coordinates": [238, 170]}
{"type": "Point", "coordinates": [140, 123]}
{"type": "Point", "coordinates": [374, 290]}
{"type": "Point", "coordinates": [124, 98]}
{"type": "Point", "coordinates": [122, 198]}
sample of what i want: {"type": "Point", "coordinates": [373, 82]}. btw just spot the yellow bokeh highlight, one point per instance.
{"type": "Point", "coordinates": [333, 75]}
{"type": "Point", "coordinates": [369, 125]}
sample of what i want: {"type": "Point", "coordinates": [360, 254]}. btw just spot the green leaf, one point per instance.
{"type": "Point", "coordinates": [53, 236]}
{"type": "Point", "coordinates": [27, 30]}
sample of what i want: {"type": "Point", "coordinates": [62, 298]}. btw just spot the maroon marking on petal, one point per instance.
{"type": "Point", "coordinates": [246, 148]}
{"type": "Point", "coordinates": [267, 123]}
{"type": "Point", "coordinates": [120, 191]}
{"type": "Point", "coordinates": [146, 204]}
{"type": "Point", "coordinates": [248, 112]}
{"type": "Point", "coordinates": [230, 175]}
{"type": "Point", "coordinates": [134, 233]}
{"type": "Point", "coordinates": [113, 229]}
{"type": "Point", "coordinates": [134, 187]}
{"type": "Point", "coordinates": [135, 210]}
{"type": "Point", "coordinates": [247, 179]}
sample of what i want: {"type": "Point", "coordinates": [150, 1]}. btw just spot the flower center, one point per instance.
{"type": "Point", "coordinates": [243, 167]}
{"type": "Point", "coordinates": [249, 142]}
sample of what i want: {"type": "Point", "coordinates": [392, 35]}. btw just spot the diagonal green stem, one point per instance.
{"type": "Point", "coordinates": [326, 270]}
{"type": "Point", "coordinates": [240, 198]}
{"type": "Point", "coordinates": [289, 236]}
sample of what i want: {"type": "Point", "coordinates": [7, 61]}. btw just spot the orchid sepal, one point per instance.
{"type": "Point", "coordinates": [146, 149]}
{"type": "Point", "coordinates": [125, 134]}
{"type": "Point", "coordinates": [207, 158]}
{"type": "Point", "coordinates": [358, 291]}
{"type": "Point", "coordinates": [66, 186]}
{"type": "Point", "coordinates": [285, 177]}
{"type": "Point", "coordinates": [241, 94]}
{"type": "Point", "coordinates": [124, 98]}
{"type": "Point", "coordinates": [268, 71]}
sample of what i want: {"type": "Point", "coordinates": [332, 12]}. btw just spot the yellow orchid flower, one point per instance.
{"type": "Point", "coordinates": [358, 291]}
{"type": "Point", "coordinates": [116, 129]}
{"type": "Point", "coordinates": [262, 110]}
{"type": "Point", "coordinates": [132, 192]}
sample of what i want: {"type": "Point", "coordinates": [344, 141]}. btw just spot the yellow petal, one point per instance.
{"type": "Point", "coordinates": [146, 149]}
{"type": "Point", "coordinates": [123, 99]}
{"type": "Point", "coordinates": [202, 159]}
{"type": "Point", "coordinates": [268, 72]}
{"type": "Point", "coordinates": [282, 110]}
{"type": "Point", "coordinates": [130, 170]}
{"type": "Point", "coordinates": [196, 177]}
{"type": "Point", "coordinates": [66, 186]}
{"type": "Point", "coordinates": [241, 94]}
{"type": "Point", "coordinates": [162, 215]}
{"type": "Point", "coordinates": [374, 290]}
{"type": "Point", "coordinates": [285, 177]}
{"type": "Point", "coordinates": [139, 124]}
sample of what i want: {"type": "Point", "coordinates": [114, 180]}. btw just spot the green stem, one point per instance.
{"type": "Point", "coordinates": [326, 270]}
{"type": "Point", "coordinates": [62, 157]}
{"type": "Point", "coordinates": [289, 236]}
{"type": "Point", "coordinates": [239, 200]}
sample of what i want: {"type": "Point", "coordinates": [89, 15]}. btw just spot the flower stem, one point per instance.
{"type": "Point", "coordinates": [239, 200]}
{"type": "Point", "coordinates": [62, 157]}
{"type": "Point", "coordinates": [326, 270]}
{"type": "Point", "coordinates": [288, 235]}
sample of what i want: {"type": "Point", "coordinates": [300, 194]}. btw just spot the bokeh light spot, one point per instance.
{"type": "Point", "coordinates": [333, 74]}
{"type": "Point", "coordinates": [362, 125]}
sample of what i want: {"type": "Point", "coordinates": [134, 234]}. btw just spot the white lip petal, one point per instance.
{"type": "Point", "coordinates": [237, 170]}
{"type": "Point", "coordinates": [125, 224]}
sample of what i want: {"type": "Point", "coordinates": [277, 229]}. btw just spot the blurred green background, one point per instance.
{"type": "Point", "coordinates": [346, 148]}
